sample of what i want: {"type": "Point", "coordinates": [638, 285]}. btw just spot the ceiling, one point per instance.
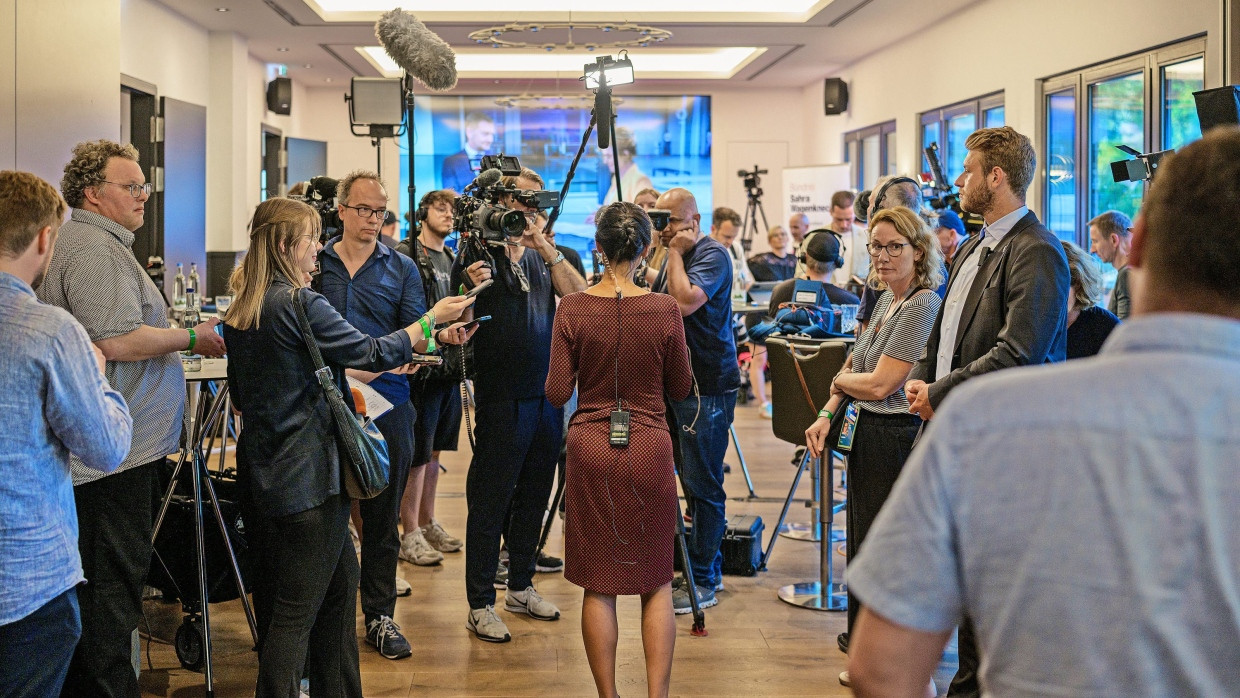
{"type": "Point", "coordinates": [797, 48]}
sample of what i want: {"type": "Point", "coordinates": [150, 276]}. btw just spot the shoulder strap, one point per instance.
{"type": "Point", "coordinates": [321, 371]}
{"type": "Point", "coordinates": [809, 399]}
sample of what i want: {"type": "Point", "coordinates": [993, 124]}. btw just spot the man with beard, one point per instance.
{"type": "Point", "coordinates": [1006, 304]}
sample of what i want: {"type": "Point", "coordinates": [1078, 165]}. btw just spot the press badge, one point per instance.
{"type": "Point", "coordinates": [849, 426]}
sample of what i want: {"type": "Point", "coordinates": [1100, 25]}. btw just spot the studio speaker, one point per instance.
{"type": "Point", "coordinates": [834, 96]}
{"type": "Point", "coordinates": [280, 96]}
{"type": "Point", "coordinates": [1220, 105]}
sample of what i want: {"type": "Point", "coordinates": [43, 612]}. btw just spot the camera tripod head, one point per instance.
{"type": "Point", "coordinates": [752, 181]}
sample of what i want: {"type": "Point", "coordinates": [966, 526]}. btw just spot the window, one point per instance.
{"type": "Point", "coordinates": [872, 153]}
{"type": "Point", "coordinates": [1144, 102]}
{"type": "Point", "coordinates": [950, 126]}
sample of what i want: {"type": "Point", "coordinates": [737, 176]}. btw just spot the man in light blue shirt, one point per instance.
{"type": "Point", "coordinates": [1084, 514]}
{"type": "Point", "coordinates": [53, 401]}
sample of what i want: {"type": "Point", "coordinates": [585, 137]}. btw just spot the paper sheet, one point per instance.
{"type": "Point", "coordinates": [376, 404]}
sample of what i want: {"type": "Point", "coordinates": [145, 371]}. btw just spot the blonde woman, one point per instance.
{"type": "Point", "coordinates": [288, 464]}
{"type": "Point", "coordinates": [906, 265]}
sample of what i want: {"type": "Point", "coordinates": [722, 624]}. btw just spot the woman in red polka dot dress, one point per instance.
{"type": "Point", "coordinates": [621, 500]}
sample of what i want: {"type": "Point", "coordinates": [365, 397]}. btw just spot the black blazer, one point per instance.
{"type": "Point", "coordinates": [457, 172]}
{"type": "Point", "coordinates": [287, 457]}
{"type": "Point", "coordinates": [1014, 315]}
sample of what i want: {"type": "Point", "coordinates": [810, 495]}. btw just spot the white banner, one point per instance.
{"type": "Point", "coordinates": [808, 190]}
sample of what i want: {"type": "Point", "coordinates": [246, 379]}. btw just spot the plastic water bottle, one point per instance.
{"type": "Point", "coordinates": [178, 291]}
{"type": "Point", "coordinates": [196, 284]}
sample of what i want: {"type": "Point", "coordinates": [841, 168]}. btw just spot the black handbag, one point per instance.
{"type": "Point", "coordinates": [364, 461]}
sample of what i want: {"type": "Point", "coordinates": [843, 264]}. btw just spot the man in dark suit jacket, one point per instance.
{"type": "Point", "coordinates": [459, 168]}
{"type": "Point", "coordinates": [1007, 299]}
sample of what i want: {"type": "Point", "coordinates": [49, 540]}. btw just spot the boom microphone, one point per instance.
{"type": "Point", "coordinates": [417, 50]}
{"type": "Point", "coordinates": [488, 178]}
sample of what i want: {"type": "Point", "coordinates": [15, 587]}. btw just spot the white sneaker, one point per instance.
{"type": "Point", "coordinates": [530, 603]}
{"type": "Point", "coordinates": [484, 623]}
{"type": "Point", "coordinates": [440, 539]}
{"type": "Point", "coordinates": [403, 588]}
{"type": "Point", "coordinates": [415, 549]}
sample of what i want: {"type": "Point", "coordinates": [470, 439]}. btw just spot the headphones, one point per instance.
{"type": "Point", "coordinates": [877, 199]}
{"type": "Point", "coordinates": [837, 260]}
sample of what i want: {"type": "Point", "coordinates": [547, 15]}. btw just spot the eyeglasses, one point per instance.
{"type": "Point", "coordinates": [368, 212]}
{"type": "Point", "coordinates": [893, 250]}
{"type": "Point", "coordinates": [135, 190]}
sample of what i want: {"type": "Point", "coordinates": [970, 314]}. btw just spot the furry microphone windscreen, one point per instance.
{"type": "Point", "coordinates": [416, 49]}
{"type": "Point", "coordinates": [488, 178]}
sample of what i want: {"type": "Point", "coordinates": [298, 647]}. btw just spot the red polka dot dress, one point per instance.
{"type": "Point", "coordinates": [620, 503]}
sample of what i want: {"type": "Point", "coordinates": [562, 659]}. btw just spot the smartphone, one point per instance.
{"type": "Point", "coordinates": [479, 288]}
{"type": "Point", "coordinates": [426, 359]}
{"type": "Point", "coordinates": [475, 322]}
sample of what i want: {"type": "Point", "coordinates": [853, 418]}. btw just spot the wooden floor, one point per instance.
{"type": "Point", "coordinates": [757, 645]}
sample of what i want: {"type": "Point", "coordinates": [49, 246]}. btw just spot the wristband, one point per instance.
{"type": "Point", "coordinates": [825, 413]}
{"type": "Point", "coordinates": [428, 323]}
{"type": "Point", "coordinates": [193, 339]}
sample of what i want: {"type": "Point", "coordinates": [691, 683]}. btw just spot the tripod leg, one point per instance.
{"type": "Point", "coordinates": [172, 485]}
{"type": "Point", "coordinates": [199, 467]}
{"type": "Point", "coordinates": [740, 455]}
{"type": "Point", "coordinates": [699, 618]}
{"type": "Point", "coordinates": [555, 505]}
{"type": "Point", "coordinates": [232, 556]}
{"type": "Point", "coordinates": [783, 514]}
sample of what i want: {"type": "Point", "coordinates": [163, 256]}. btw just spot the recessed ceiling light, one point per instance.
{"type": "Point", "coordinates": [307, 65]}
{"type": "Point", "coordinates": [221, 9]}
{"type": "Point", "coordinates": [282, 49]}
{"type": "Point", "coordinates": [327, 79]}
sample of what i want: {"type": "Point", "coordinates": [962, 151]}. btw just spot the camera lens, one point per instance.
{"type": "Point", "coordinates": [506, 221]}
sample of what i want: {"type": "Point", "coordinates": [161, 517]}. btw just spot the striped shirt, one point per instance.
{"type": "Point", "coordinates": [902, 336]}
{"type": "Point", "coordinates": [93, 275]}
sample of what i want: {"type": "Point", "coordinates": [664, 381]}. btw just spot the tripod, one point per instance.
{"type": "Point", "coordinates": [753, 209]}
{"type": "Point", "coordinates": [193, 641]}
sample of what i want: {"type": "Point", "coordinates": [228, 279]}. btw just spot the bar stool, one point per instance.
{"type": "Point", "coordinates": [801, 374]}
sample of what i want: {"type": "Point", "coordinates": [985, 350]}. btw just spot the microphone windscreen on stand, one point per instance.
{"type": "Point", "coordinates": [417, 50]}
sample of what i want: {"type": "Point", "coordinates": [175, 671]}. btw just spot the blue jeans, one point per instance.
{"type": "Point", "coordinates": [35, 651]}
{"type": "Point", "coordinates": [701, 471]}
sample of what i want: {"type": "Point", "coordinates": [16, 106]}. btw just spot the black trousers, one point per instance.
{"type": "Point", "coordinates": [965, 683]}
{"type": "Point", "coordinates": [881, 444]}
{"type": "Point", "coordinates": [381, 516]}
{"type": "Point", "coordinates": [518, 444]}
{"type": "Point", "coordinates": [305, 599]}
{"type": "Point", "coordinates": [115, 516]}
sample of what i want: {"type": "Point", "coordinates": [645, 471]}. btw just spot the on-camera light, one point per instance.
{"type": "Point", "coordinates": [615, 72]}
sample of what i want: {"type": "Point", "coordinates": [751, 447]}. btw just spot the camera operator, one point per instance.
{"type": "Point", "coordinates": [56, 402]}
{"type": "Point", "coordinates": [518, 431]}
{"type": "Point", "coordinates": [93, 275]}
{"type": "Point", "coordinates": [379, 292]}
{"type": "Point", "coordinates": [698, 275]}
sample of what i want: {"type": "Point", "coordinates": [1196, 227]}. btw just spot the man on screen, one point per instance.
{"type": "Point", "coordinates": [461, 168]}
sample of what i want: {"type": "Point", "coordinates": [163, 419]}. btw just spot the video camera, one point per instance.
{"type": "Point", "coordinates": [481, 212]}
{"type": "Point", "coordinates": [752, 181]}
{"type": "Point", "coordinates": [321, 195]}
{"type": "Point", "coordinates": [947, 199]}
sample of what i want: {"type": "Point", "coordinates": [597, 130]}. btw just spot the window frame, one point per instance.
{"type": "Point", "coordinates": [977, 106]}
{"type": "Point", "coordinates": [1150, 64]}
{"type": "Point", "coordinates": [884, 131]}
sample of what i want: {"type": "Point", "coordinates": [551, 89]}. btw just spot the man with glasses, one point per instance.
{"type": "Point", "coordinates": [518, 430]}
{"type": "Point", "coordinates": [1006, 304]}
{"type": "Point", "coordinates": [378, 292]}
{"type": "Point", "coordinates": [94, 275]}
{"type": "Point", "coordinates": [698, 274]}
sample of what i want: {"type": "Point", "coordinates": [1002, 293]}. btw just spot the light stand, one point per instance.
{"type": "Point", "coordinates": [749, 224]}
{"type": "Point", "coordinates": [601, 76]}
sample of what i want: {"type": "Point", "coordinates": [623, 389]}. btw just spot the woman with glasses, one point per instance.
{"type": "Point", "coordinates": [288, 461]}
{"type": "Point", "coordinates": [906, 266]}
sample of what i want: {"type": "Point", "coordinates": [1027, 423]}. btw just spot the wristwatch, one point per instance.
{"type": "Point", "coordinates": [559, 257]}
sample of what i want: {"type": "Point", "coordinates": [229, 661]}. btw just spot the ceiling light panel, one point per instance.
{"type": "Point", "coordinates": [650, 64]}
{"type": "Point", "coordinates": [722, 11]}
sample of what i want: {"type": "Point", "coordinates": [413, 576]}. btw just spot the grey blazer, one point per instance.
{"type": "Point", "coordinates": [1014, 315]}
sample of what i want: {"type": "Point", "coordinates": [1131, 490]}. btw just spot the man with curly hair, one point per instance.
{"type": "Point", "coordinates": [94, 275]}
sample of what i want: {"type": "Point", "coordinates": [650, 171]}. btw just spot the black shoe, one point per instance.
{"type": "Point", "coordinates": [547, 563]}
{"type": "Point", "coordinates": [384, 635]}
{"type": "Point", "coordinates": [841, 641]}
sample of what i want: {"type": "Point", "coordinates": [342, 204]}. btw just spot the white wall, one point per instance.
{"type": "Point", "coordinates": [51, 97]}
{"type": "Point", "coordinates": [163, 48]}
{"type": "Point", "coordinates": [995, 45]}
